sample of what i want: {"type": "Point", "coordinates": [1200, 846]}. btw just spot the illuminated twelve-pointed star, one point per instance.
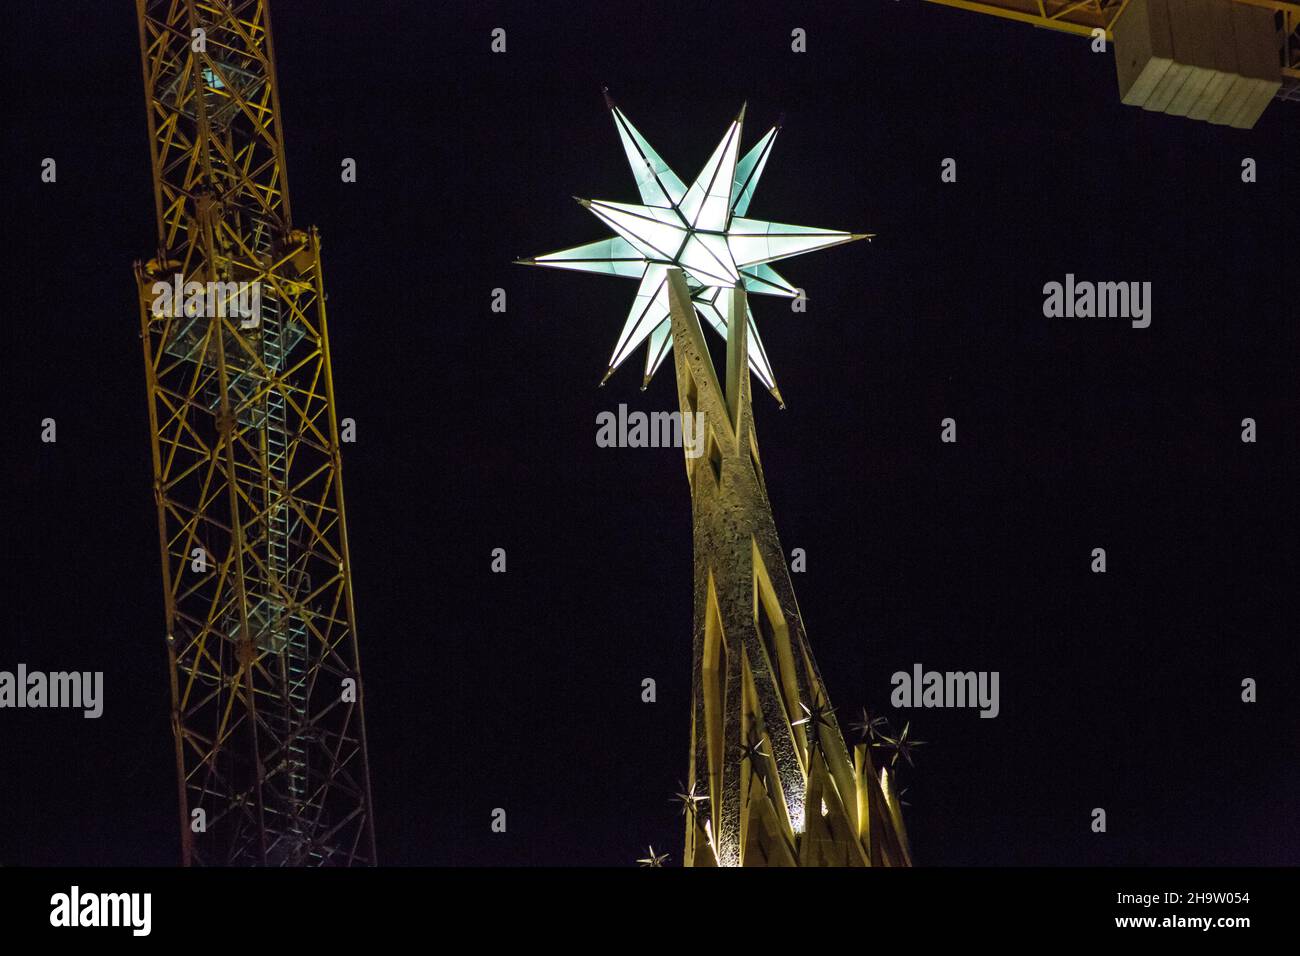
{"type": "Point", "coordinates": [703, 231]}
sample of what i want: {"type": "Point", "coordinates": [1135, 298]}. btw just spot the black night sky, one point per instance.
{"type": "Point", "coordinates": [476, 430]}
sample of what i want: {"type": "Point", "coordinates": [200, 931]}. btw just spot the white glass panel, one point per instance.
{"type": "Point", "coordinates": [712, 317]}
{"type": "Point", "coordinates": [708, 200]}
{"type": "Point", "coordinates": [661, 343]}
{"type": "Point", "coordinates": [753, 241]}
{"type": "Point", "coordinates": [614, 256]}
{"type": "Point", "coordinates": [748, 170]}
{"type": "Point", "coordinates": [649, 308]}
{"type": "Point", "coordinates": [764, 280]}
{"type": "Point", "coordinates": [717, 245]}
{"type": "Point", "coordinates": [758, 355]}
{"type": "Point", "coordinates": [658, 185]}
{"type": "Point", "coordinates": [703, 264]}
{"type": "Point", "coordinates": [656, 239]}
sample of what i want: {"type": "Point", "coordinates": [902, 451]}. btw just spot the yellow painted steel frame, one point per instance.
{"type": "Point", "coordinates": [267, 698]}
{"type": "Point", "coordinates": [1081, 17]}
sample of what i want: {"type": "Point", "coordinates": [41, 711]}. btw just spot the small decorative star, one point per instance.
{"type": "Point", "coordinates": [689, 799]}
{"type": "Point", "coordinates": [902, 746]}
{"type": "Point", "coordinates": [652, 858]}
{"type": "Point", "coordinates": [757, 757]}
{"type": "Point", "coordinates": [816, 717]}
{"type": "Point", "coordinates": [753, 752]}
{"type": "Point", "coordinates": [867, 727]}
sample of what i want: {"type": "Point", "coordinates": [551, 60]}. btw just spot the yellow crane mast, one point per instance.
{"type": "Point", "coordinates": [261, 631]}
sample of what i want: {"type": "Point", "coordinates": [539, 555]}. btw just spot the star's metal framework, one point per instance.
{"type": "Point", "coordinates": [702, 230]}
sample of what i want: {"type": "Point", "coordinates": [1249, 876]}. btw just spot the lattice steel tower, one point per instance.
{"type": "Point", "coordinates": [261, 632]}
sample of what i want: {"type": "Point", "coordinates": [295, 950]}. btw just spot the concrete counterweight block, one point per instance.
{"type": "Point", "coordinates": [1215, 60]}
